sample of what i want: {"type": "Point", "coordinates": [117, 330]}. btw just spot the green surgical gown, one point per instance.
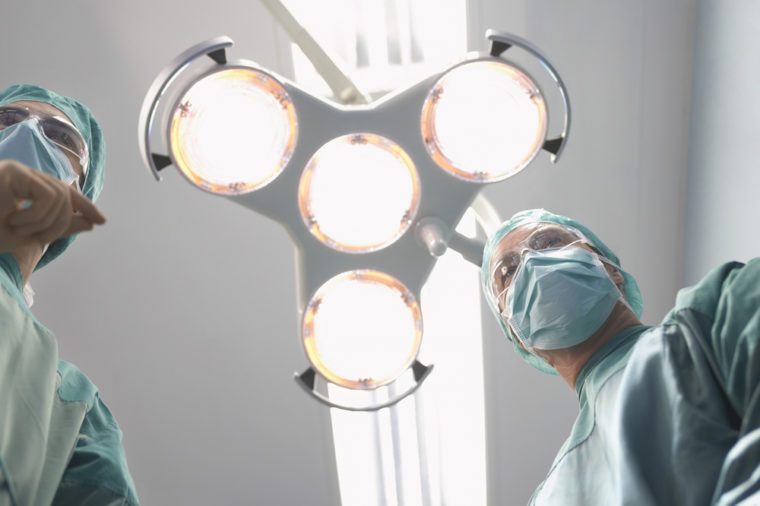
{"type": "Point", "coordinates": [59, 444]}
{"type": "Point", "coordinates": [670, 415]}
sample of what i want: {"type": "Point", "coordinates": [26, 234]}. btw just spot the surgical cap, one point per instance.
{"type": "Point", "coordinates": [85, 122]}
{"type": "Point", "coordinates": [630, 288]}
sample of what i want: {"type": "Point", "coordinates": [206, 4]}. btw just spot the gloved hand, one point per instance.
{"type": "Point", "coordinates": [35, 207]}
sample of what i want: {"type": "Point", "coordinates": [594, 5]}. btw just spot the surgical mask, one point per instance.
{"type": "Point", "coordinates": [559, 298]}
{"type": "Point", "coordinates": [25, 143]}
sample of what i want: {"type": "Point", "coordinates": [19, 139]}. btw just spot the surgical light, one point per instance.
{"type": "Point", "coordinates": [233, 131]}
{"type": "Point", "coordinates": [362, 329]}
{"type": "Point", "coordinates": [369, 194]}
{"type": "Point", "coordinates": [484, 121]}
{"type": "Point", "coordinates": [375, 179]}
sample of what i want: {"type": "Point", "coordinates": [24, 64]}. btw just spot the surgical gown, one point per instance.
{"type": "Point", "coordinates": [59, 444]}
{"type": "Point", "coordinates": [671, 414]}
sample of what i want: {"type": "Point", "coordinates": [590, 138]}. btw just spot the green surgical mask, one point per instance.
{"type": "Point", "coordinates": [26, 143]}
{"type": "Point", "coordinates": [559, 298]}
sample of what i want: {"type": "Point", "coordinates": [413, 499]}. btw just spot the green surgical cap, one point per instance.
{"type": "Point", "coordinates": [630, 288]}
{"type": "Point", "coordinates": [90, 130]}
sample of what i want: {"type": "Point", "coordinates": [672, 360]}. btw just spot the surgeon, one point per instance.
{"type": "Point", "coordinates": [669, 414]}
{"type": "Point", "coordinates": [59, 444]}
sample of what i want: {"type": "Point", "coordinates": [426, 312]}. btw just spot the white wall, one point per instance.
{"type": "Point", "coordinates": [724, 173]}
{"type": "Point", "coordinates": [627, 66]}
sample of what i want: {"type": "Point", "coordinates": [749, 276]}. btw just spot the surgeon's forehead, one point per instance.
{"type": "Point", "coordinates": [516, 236]}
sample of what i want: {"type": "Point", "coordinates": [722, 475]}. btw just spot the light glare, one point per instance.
{"type": "Point", "coordinates": [362, 329]}
{"type": "Point", "coordinates": [233, 131]}
{"type": "Point", "coordinates": [484, 121]}
{"type": "Point", "coordinates": [359, 193]}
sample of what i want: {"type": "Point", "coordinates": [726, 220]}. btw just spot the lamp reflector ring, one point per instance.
{"type": "Point", "coordinates": [362, 329]}
{"type": "Point", "coordinates": [233, 131]}
{"type": "Point", "coordinates": [359, 193]}
{"type": "Point", "coordinates": [484, 121]}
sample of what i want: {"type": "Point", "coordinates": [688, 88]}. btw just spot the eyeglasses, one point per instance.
{"type": "Point", "coordinates": [546, 236]}
{"type": "Point", "coordinates": [56, 128]}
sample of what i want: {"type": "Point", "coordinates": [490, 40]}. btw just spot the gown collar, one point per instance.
{"type": "Point", "coordinates": [9, 266]}
{"type": "Point", "coordinates": [607, 356]}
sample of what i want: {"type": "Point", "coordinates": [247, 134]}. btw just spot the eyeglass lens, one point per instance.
{"type": "Point", "coordinates": [59, 132]}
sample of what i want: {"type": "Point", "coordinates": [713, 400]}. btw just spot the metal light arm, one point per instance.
{"type": "Point", "coordinates": [341, 85]}
{"type": "Point", "coordinates": [436, 237]}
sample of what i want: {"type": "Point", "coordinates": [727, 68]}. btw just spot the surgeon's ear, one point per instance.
{"type": "Point", "coordinates": [615, 275]}
{"type": "Point", "coordinates": [617, 278]}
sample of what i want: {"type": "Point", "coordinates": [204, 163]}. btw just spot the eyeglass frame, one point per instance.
{"type": "Point", "coordinates": [578, 239]}
{"type": "Point", "coordinates": [60, 119]}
